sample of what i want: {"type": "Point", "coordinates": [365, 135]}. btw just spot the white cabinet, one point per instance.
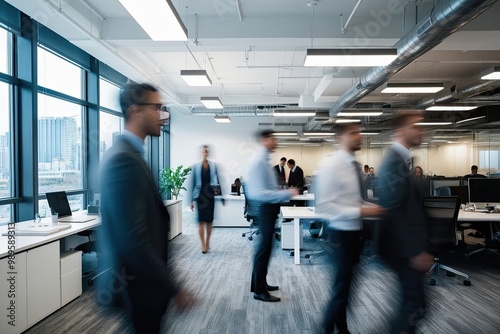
{"type": "Point", "coordinates": [71, 276]}
{"type": "Point", "coordinates": [43, 281]}
{"type": "Point", "coordinates": [13, 302]}
{"type": "Point", "coordinates": [287, 234]}
{"type": "Point", "coordinates": [174, 208]}
{"type": "Point", "coordinates": [35, 285]}
{"type": "Point", "coordinates": [230, 214]}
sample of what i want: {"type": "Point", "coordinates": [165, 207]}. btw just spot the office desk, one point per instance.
{"type": "Point", "coordinates": [42, 276]}
{"type": "Point", "coordinates": [298, 213]}
{"type": "Point", "coordinates": [303, 197]}
{"type": "Point", "coordinates": [479, 217]}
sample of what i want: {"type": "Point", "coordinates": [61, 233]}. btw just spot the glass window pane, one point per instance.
{"type": "Point", "coordinates": [59, 74]}
{"type": "Point", "coordinates": [5, 214]}
{"type": "Point", "coordinates": [108, 95]}
{"type": "Point", "coordinates": [110, 127]}
{"type": "Point", "coordinates": [5, 51]}
{"type": "Point", "coordinates": [6, 148]}
{"type": "Point", "coordinates": [59, 145]}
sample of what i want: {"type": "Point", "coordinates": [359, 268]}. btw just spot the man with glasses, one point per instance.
{"type": "Point", "coordinates": [135, 222]}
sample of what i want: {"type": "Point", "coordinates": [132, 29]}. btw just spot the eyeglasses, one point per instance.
{"type": "Point", "coordinates": [162, 111]}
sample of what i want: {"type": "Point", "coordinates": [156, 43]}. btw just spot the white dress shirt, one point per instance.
{"type": "Point", "coordinates": [338, 195]}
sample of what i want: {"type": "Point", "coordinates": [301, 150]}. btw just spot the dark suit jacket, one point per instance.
{"type": "Point", "coordinates": [281, 175]}
{"type": "Point", "coordinates": [296, 179]}
{"type": "Point", "coordinates": [402, 232]}
{"type": "Point", "coordinates": [135, 224]}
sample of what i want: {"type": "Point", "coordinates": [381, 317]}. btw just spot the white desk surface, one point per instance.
{"type": "Point", "coordinates": [464, 216]}
{"type": "Point", "coordinates": [25, 242]}
{"type": "Point", "coordinates": [303, 197]}
{"type": "Point", "coordinates": [301, 212]}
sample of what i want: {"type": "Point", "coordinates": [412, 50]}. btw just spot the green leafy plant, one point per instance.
{"type": "Point", "coordinates": [172, 179]}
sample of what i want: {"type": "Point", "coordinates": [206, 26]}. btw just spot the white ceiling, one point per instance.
{"type": "Point", "coordinates": [258, 60]}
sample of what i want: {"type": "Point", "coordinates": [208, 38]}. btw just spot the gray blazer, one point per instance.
{"type": "Point", "coordinates": [402, 232]}
{"type": "Point", "coordinates": [134, 237]}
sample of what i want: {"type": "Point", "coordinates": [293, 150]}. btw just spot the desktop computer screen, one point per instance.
{"type": "Point", "coordinates": [484, 191]}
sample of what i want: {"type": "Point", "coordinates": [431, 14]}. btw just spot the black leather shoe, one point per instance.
{"type": "Point", "coordinates": [266, 297]}
{"type": "Point", "coordinates": [272, 287]}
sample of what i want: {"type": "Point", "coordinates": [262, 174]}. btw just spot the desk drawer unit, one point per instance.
{"type": "Point", "coordinates": [71, 276]}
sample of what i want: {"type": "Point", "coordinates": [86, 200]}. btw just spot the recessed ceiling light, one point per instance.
{"type": "Point", "coordinates": [451, 107]}
{"type": "Point", "coordinates": [347, 120]}
{"type": "Point", "coordinates": [222, 119]}
{"type": "Point", "coordinates": [319, 133]}
{"type": "Point", "coordinates": [432, 123]}
{"type": "Point", "coordinates": [359, 113]}
{"type": "Point", "coordinates": [196, 77]}
{"type": "Point", "coordinates": [493, 73]}
{"type": "Point", "coordinates": [290, 113]}
{"type": "Point", "coordinates": [211, 102]}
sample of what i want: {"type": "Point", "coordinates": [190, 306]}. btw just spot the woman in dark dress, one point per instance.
{"type": "Point", "coordinates": [205, 179]}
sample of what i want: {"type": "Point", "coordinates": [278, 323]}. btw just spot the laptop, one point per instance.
{"type": "Point", "coordinates": [58, 202]}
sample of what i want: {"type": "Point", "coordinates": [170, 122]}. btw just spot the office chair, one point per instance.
{"type": "Point", "coordinates": [323, 238]}
{"type": "Point", "coordinates": [251, 214]}
{"type": "Point", "coordinates": [89, 247]}
{"type": "Point", "coordinates": [442, 213]}
{"type": "Point", "coordinates": [442, 191]}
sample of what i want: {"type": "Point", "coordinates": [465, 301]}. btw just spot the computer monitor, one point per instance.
{"type": "Point", "coordinates": [484, 192]}
{"type": "Point", "coordinates": [460, 191]}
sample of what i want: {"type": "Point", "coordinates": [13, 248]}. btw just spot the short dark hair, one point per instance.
{"type": "Point", "coordinates": [283, 159]}
{"type": "Point", "coordinates": [366, 166]}
{"type": "Point", "coordinates": [473, 167]}
{"type": "Point", "coordinates": [264, 133]}
{"type": "Point", "coordinates": [403, 118]}
{"type": "Point", "coordinates": [134, 93]}
{"type": "Point", "coordinates": [291, 162]}
{"type": "Point", "coordinates": [342, 128]}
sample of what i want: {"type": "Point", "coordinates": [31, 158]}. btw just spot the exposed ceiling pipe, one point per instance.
{"type": "Point", "coordinates": [446, 18]}
{"type": "Point", "coordinates": [461, 90]}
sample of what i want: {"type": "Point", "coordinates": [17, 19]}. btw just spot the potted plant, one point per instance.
{"type": "Point", "coordinates": [172, 179]}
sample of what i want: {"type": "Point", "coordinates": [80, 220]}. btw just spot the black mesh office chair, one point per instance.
{"type": "Point", "coordinates": [442, 213]}
{"type": "Point", "coordinates": [250, 212]}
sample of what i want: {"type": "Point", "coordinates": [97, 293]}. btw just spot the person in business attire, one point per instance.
{"type": "Point", "coordinates": [341, 197]}
{"type": "Point", "coordinates": [474, 174]}
{"type": "Point", "coordinates": [204, 178]}
{"type": "Point", "coordinates": [135, 222]}
{"type": "Point", "coordinates": [280, 171]}
{"type": "Point", "coordinates": [402, 234]}
{"type": "Point", "coordinates": [296, 176]}
{"type": "Point", "coordinates": [370, 180]}
{"type": "Point", "coordinates": [261, 188]}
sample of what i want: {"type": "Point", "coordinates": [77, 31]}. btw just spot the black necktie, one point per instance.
{"type": "Point", "coordinates": [361, 183]}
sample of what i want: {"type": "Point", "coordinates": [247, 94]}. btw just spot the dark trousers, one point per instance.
{"type": "Point", "coordinates": [347, 246]}
{"type": "Point", "coordinates": [412, 306]}
{"type": "Point", "coordinates": [267, 219]}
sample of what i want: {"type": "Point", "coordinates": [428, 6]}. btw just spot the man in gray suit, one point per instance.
{"type": "Point", "coordinates": [135, 222]}
{"type": "Point", "coordinates": [402, 234]}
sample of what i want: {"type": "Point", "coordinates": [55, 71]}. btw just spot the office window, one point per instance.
{"type": "Point", "coordinates": [110, 127]}
{"type": "Point", "coordinates": [59, 144]}
{"type": "Point", "coordinates": [6, 148]}
{"type": "Point", "coordinates": [108, 95]}
{"type": "Point", "coordinates": [59, 74]}
{"type": "Point", "coordinates": [5, 51]}
{"type": "Point", "coordinates": [488, 160]}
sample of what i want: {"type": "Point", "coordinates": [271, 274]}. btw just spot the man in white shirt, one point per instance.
{"type": "Point", "coordinates": [340, 196]}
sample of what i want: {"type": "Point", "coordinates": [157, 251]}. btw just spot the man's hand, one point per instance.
{"type": "Point", "coordinates": [372, 211]}
{"type": "Point", "coordinates": [184, 300]}
{"type": "Point", "coordinates": [192, 206]}
{"type": "Point", "coordinates": [293, 191]}
{"type": "Point", "coordinates": [422, 262]}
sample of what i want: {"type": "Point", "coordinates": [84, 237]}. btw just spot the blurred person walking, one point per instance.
{"type": "Point", "coordinates": [341, 197]}
{"type": "Point", "coordinates": [135, 223]}
{"type": "Point", "coordinates": [402, 236]}
{"type": "Point", "coordinates": [261, 187]}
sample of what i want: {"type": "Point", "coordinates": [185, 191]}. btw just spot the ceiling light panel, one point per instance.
{"type": "Point", "coordinates": [350, 57]}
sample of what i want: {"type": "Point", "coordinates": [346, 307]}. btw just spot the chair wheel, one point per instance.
{"type": "Point", "coordinates": [450, 274]}
{"type": "Point", "coordinates": [307, 256]}
{"type": "Point", "coordinates": [292, 253]}
{"type": "Point", "coordinates": [467, 282]}
{"type": "Point", "coordinates": [91, 282]}
{"type": "Point", "coordinates": [243, 235]}
{"type": "Point", "coordinates": [250, 238]}
{"type": "Point", "coordinates": [432, 281]}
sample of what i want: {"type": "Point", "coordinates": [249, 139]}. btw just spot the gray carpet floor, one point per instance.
{"type": "Point", "coordinates": [220, 282]}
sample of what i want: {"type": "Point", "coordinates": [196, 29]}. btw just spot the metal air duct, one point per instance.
{"type": "Point", "coordinates": [446, 18]}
